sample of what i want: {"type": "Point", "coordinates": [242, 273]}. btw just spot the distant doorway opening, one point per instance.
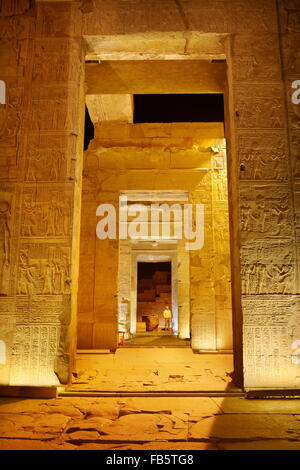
{"type": "Point", "coordinates": [154, 295]}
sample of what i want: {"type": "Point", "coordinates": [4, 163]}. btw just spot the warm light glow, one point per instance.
{"type": "Point", "coordinates": [2, 92]}
{"type": "Point", "coordinates": [2, 353]}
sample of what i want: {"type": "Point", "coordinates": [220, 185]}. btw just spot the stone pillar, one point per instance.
{"type": "Point", "coordinates": [266, 207]}
{"type": "Point", "coordinates": [289, 19]}
{"type": "Point", "coordinates": [45, 204]}
{"type": "Point", "coordinates": [16, 26]}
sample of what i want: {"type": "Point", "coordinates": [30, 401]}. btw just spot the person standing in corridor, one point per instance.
{"type": "Point", "coordinates": [167, 316]}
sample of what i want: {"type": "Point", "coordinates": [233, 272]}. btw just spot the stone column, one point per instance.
{"type": "Point", "coordinates": [47, 189]}
{"type": "Point", "coordinates": [266, 207]}
{"type": "Point", "coordinates": [16, 29]}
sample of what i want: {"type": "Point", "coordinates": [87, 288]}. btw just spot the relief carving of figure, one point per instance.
{"type": "Point", "coordinates": [47, 274]}
{"type": "Point", "coordinates": [56, 162]}
{"type": "Point", "coordinates": [27, 276]}
{"type": "Point", "coordinates": [34, 164]}
{"type": "Point", "coordinates": [62, 275]}
{"type": "Point", "coordinates": [281, 277]}
{"type": "Point", "coordinates": [49, 219]}
{"type": "Point", "coordinates": [259, 215]}
{"type": "Point", "coordinates": [32, 217]}
{"type": "Point", "coordinates": [5, 248]}
{"type": "Point", "coordinates": [249, 276]}
{"type": "Point", "coordinates": [280, 210]}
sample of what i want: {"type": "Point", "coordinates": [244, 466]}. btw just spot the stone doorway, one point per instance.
{"type": "Point", "coordinates": [209, 319]}
{"type": "Point", "coordinates": [154, 294]}
{"type": "Point", "coordinates": [154, 284]}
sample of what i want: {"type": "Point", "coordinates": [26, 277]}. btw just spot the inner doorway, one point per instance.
{"type": "Point", "coordinates": [154, 161]}
{"type": "Point", "coordinates": [154, 295]}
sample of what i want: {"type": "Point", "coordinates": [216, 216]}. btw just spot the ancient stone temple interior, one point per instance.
{"type": "Point", "coordinates": [149, 161]}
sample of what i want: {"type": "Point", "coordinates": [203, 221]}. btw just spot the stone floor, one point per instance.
{"type": "Point", "coordinates": [160, 338]}
{"type": "Point", "coordinates": [82, 423]}
{"type": "Point", "coordinates": [157, 423]}
{"type": "Point", "coordinates": [153, 369]}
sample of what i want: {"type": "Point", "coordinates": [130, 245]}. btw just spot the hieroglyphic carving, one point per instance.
{"type": "Point", "coordinates": [63, 54]}
{"type": "Point", "coordinates": [256, 57]}
{"type": "Point", "coordinates": [259, 112]}
{"type": "Point", "coordinates": [266, 209]}
{"type": "Point", "coordinates": [33, 356]}
{"type": "Point", "coordinates": [293, 21]}
{"type": "Point", "coordinates": [14, 7]}
{"type": "Point", "coordinates": [43, 269]}
{"type": "Point", "coordinates": [5, 242]}
{"type": "Point", "coordinates": [295, 153]}
{"type": "Point", "coordinates": [62, 19]}
{"type": "Point", "coordinates": [10, 118]}
{"type": "Point", "coordinates": [46, 214]}
{"type": "Point", "coordinates": [251, 17]}
{"type": "Point", "coordinates": [263, 164]}
{"type": "Point", "coordinates": [44, 309]}
{"type": "Point", "coordinates": [7, 328]}
{"type": "Point", "coordinates": [269, 310]}
{"type": "Point", "coordinates": [294, 114]}
{"type": "Point", "coordinates": [48, 157]}
{"type": "Point", "coordinates": [291, 45]}
{"type": "Point", "coordinates": [261, 278]}
{"type": "Point", "coordinates": [15, 27]}
{"type": "Point", "coordinates": [49, 165]}
{"type": "Point", "coordinates": [268, 267]}
{"type": "Point", "coordinates": [220, 185]}
{"type": "Point", "coordinates": [267, 354]}
{"type": "Point", "coordinates": [297, 212]}
{"type": "Point", "coordinates": [270, 326]}
{"type": "Point", "coordinates": [263, 156]}
{"type": "Point", "coordinates": [53, 115]}
{"type": "Point", "coordinates": [259, 106]}
{"type": "Point", "coordinates": [209, 16]}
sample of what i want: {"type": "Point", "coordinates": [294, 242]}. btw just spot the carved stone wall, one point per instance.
{"type": "Point", "coordinates": [40, 63]}
{"type": "Point", "coordinates": [156, 158]}
{"type": "Point", "coordinates": [40, 145]}
{"type": "Point", "coordinates": [262, 131]}
{"type": "Point", "coordinates": [266, 205]}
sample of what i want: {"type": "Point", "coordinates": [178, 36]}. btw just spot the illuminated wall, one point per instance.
{"type": "Point", "coordinates": [158, 158]}
{"type": "Point", "coordinates": [41, 63]}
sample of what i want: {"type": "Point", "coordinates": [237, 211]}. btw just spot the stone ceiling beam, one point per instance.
{"type": "Point", "coordinates": [132, 77]}
{"type": "Point", "coordinates": [183, 45]}
{"type": "Point", "coordinates": [110, 107]}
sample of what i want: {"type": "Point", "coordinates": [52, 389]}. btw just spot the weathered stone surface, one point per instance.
{"type": "Point", "coordinates": [110, 107]}
{"type": "Point", "coordinates": [173, 446]}
{"type": "Point", "coordinates": [128, 411]}
{"type": "Point", "coordinates": [34, 426]}
{"type": "Point", "coordinates": [95, 423]}
{"type": "Point", "coordinates": [149, 369]}
{"type": "Point", "coordinates": [79, 437]}
{"type": "Point", "coordinates": [102, 446]}
{"type": "Point", "coordinates": [143, 427]}
{"type": "Point", "coordinates": [41, 129]}
{"type": "Point", "coordinates": [246, 427]}
{"type": "Point", "coordinates": [238, 424]}
{"type": "Point", "coordinates": [66, 410]}
{"type": "Point", "coordinates": [240, 405]}
{"type": "Point", "coordinates": [52, 423]}
{"type": "Point", "coordinates": [109, 412]}
{"type": "Point", "coordinates": [32, 444]}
